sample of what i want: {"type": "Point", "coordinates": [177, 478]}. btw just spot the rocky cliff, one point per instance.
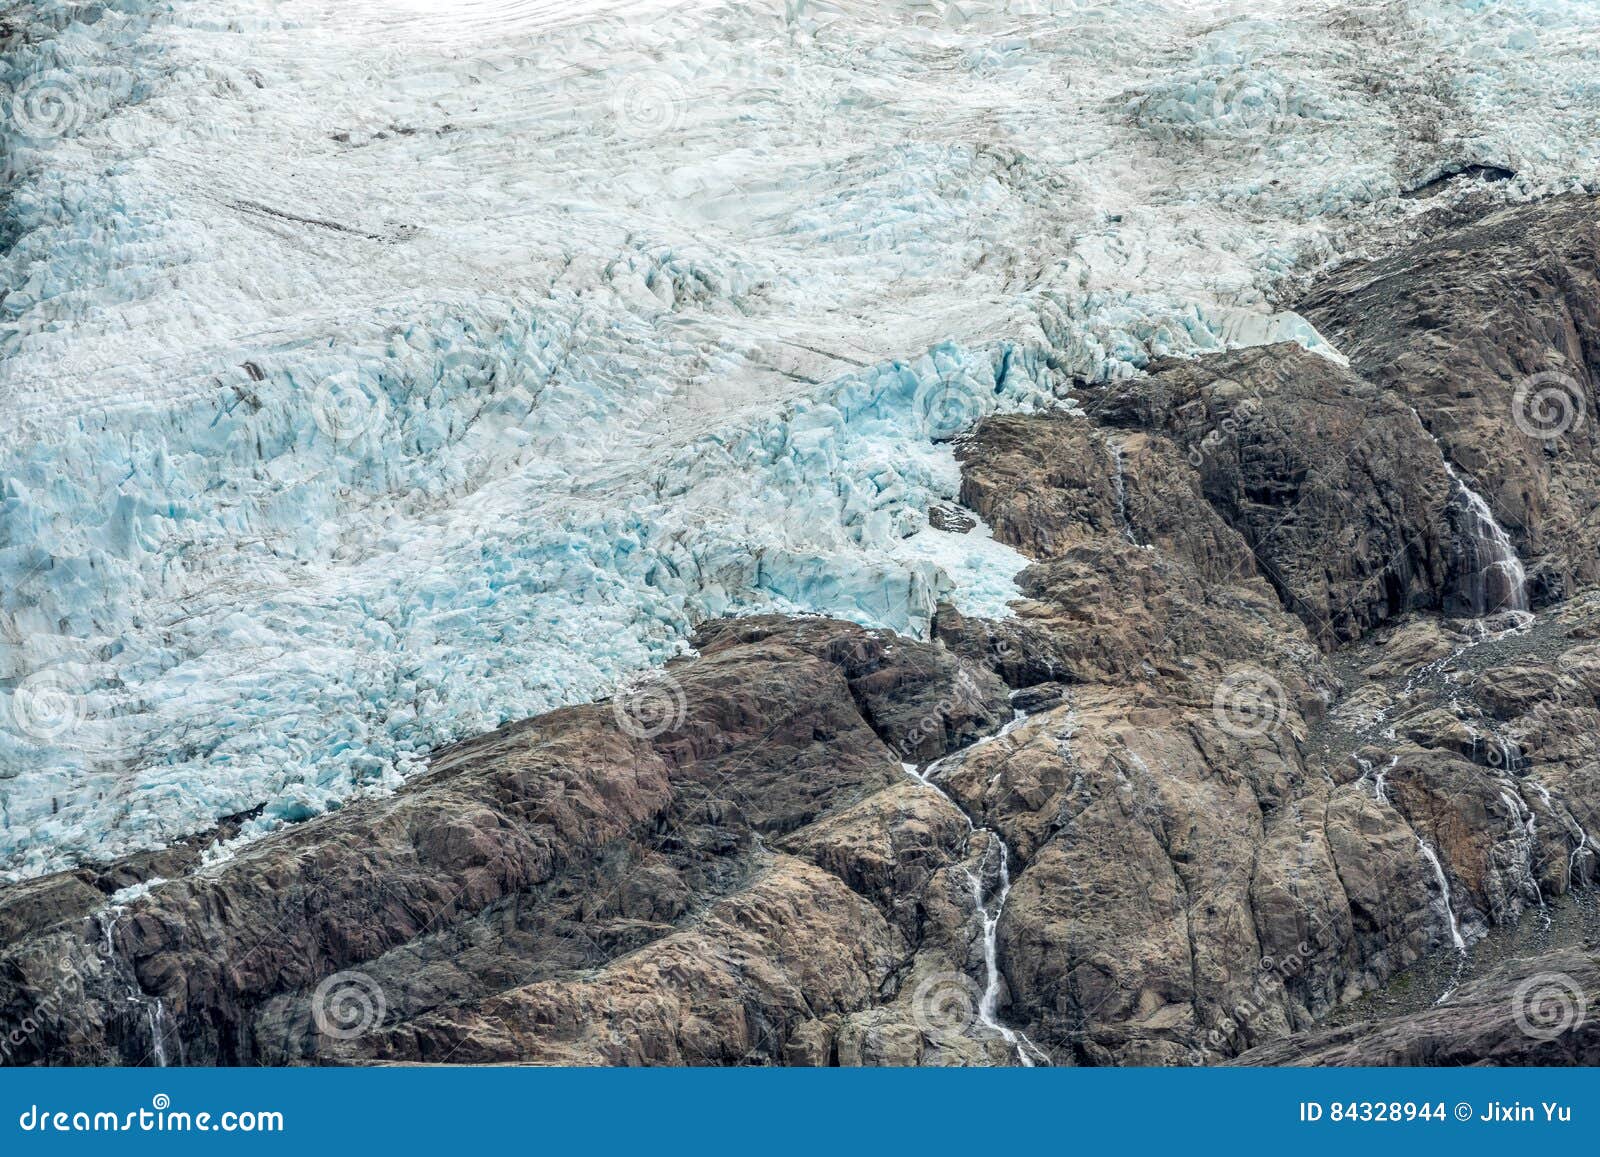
{"type": "Point", "coordinates": [1298, 713]}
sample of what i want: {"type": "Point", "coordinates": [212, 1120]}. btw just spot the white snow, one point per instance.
{"type": "Point", "coordinates": [376, 371]}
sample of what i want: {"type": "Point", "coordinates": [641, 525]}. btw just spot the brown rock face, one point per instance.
{"type": "Point", "coordinates": [1489, 330]}
{"type": "Point", "coordinates": [1531, 1011]}
{"type": "Point", "coordinates": [728, 887]}
{"type": "Point", "coordinates": [1209, 858]}
{"type": "Point", "coordinates": [1259, 767]}
{"type": "Point", "coordinates": [1336, 490]}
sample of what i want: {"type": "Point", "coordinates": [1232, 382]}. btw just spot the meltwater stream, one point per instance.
{"type": "Point", "coordinates": [989, 911]}
{"type": "Point", "coordinates": [155, 1010]}
{"type": "Point", "coordinates": [1444, 892]}
{"type": "Point", "coordinates": [1492, 577]}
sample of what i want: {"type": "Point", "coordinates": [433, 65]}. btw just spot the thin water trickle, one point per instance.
{"type": "Point", "coordinates": [157, 1014]}
{"type": "Point", "coordinates": [1524, 830]}
{"type": "Point", "coordinates": [1492, 577]}
{"type": "Point", "coordinates": [1572, 860]}
{"type": "Point", "coordinates": [1378, 792]}
{"type": "Point", "coordinates": [989, 909]}
{"type": "Point", "coordinates": [1429, 855]}
{"type": "Point", "coordinates": [1120, 486]}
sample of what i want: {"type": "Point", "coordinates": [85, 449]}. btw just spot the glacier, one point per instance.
{"type": "Point", "coordinates": [378, 372]}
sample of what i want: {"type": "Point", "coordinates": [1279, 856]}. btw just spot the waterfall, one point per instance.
{"type": "Point", "coordinates": [1572, 860]}
{"type": "Point", "coordinates": [1524, 832]}
{"type": "Point", "coordinates": [1378, 792]}
{"type": "Point", "coordinates": [988, 1003]}
{"type": "Point", "coordinates": [1506, 756]}
{"type": "Point", "coordinates": [1444, 891]}
{"type": "Point", "coordinates": [1120, 486]}
{"type": "Point", "coordinates": [1489, 574]}
{"type": "Point", "coordinates": [155, 1012]}
{"type": "Point", "coordinates": [989, 910]}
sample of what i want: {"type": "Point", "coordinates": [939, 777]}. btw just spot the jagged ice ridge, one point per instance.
{"type": "Point", "coordinates": [379, 372]}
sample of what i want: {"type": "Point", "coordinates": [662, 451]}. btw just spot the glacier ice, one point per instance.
{"type": "Point", "coordinates": [379, 372]}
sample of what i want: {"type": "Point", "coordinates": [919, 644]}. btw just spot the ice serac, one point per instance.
{"type": "Point", "coordinates": [372, 387]}
{"type": "Point", "coordinates": [546, 585]}
{"type": "Point", "coordinates": [557, 338]}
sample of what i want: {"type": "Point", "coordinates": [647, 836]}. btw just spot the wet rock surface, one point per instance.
{"type": "Point", "coordinates": [1260, 760]}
